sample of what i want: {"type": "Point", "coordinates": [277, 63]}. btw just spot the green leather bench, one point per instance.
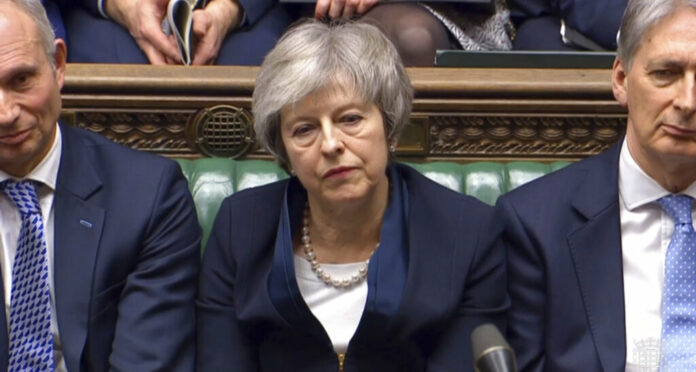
{"type": "Point", "coordinates": [212, 179]}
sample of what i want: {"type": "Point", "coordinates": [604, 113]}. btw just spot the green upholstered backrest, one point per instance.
{"type": "Point", "coordinates": [212, 179]}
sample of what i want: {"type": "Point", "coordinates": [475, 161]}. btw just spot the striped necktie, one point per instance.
{"type": "Point", "coordinates": [679, 298]}
{"type": "Point", "coordinates": [31, 339]}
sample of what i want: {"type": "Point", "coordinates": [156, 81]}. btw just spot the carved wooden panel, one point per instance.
{"type": "Point", "coordinates": [160, 132]}
{"type": "Point", "coordinates": [523, 136]}
{"type": "Point", "coordinates": [459, 114]}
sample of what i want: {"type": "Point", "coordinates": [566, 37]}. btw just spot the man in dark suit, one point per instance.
{"type": "Point", "coordinates": [112, 233]}
{"type": "Point", "coordinates": [228, 32]}
{"type": "Point", "coordinates": [595, 250]}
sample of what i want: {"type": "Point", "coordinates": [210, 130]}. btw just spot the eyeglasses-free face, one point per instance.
{"type": "Point", "coordinates": [336, 144]}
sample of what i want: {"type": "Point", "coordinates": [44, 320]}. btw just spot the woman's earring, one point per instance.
{"type": "Point", "coordinates": [292, 172]}
{"type": "Point", "coordinates": [392, 148]}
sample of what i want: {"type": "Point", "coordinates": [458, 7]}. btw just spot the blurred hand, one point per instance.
{"type": "Point", "coordinates": [210, 26]}
{"type": "Point", "coordinates": [342, 8]}
{"type": "Point", "coordinates": [143, 19]}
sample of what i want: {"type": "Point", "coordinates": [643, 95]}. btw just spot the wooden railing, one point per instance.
{"type": "Point", "coordinates": [459, 114]}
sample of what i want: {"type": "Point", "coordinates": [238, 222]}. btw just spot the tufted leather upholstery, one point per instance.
{"type": "Point", "coordinates": [212, 179]}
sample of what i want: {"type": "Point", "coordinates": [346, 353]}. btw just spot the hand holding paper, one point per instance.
{"type": "Point", "coordinates": [143, 19]}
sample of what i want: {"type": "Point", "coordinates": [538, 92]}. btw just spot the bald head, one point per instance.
{"type": "Point", "coordinates": [36, 14]}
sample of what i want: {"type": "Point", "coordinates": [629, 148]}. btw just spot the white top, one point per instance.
{"type": "Point", "coordinates": [338, 310]}
{"type": "Point", "coordinates": [646, 231]}
{"type": "Point", "coordinates": [45, 172]}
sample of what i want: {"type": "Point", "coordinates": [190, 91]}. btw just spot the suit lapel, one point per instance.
{"type": "Point", "coordinates": [78, 226]}
{"type": "Point", "coordinates": [283, 289]}
{"type": "Point", "coordinates": [388, 268]}
{"type": "Point", "coordinates": [596, 251]}
{"type": "Point", "coordinates": [426, 273]}
{"type": "Point", "coordinates": [4, 339]}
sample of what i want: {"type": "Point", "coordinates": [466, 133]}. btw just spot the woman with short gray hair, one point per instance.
{"type": "Point", "coordinates": [356, 262]}
{"type": "Point", "coordinates": [315, 56]}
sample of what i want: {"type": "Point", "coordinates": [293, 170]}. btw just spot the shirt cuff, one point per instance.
{"type": "Point", "coordinates": [243, 20]}
{"type": "Point", "coordinates": [101, 7]}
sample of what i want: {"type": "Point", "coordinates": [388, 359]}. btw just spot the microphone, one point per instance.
{"type": "Point", "coordinates": [491, 352]}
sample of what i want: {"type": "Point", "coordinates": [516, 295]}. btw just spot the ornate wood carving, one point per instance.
{"type": "Point", "coordinates": [459, 114]}
{"type": "Point", "coordinates": [523, 136]}
{"type": "Point", "coordinates": [160, 132]}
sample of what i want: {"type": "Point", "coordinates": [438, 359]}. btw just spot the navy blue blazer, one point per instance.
{"type": "Point", "coordinates": [126, 254]}
{"type": "Point", "coordinates": [455, 280]}
{"type": "Point", "coordinates": [538, 22]}
{"type": "Point", "coordinates": [563, 238]}
{"type": "Point", "coordinates": [94, 39]}
{"type": "Point", "coordinates": [56, 19]}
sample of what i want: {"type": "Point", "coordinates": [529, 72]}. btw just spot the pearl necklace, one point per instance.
{"type": "Point", "coordinates": [324, 276]}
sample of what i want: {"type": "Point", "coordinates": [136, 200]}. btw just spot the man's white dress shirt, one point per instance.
{"type": "Point", "coordinates": [46, 172]}
{"type": "Point", "coordinates": [646, 231]}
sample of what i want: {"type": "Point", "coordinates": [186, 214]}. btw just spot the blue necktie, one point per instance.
{"type": "Point", "coordinates": [679, 298]}
{"type": "Point", "coordinates": [31, 339]}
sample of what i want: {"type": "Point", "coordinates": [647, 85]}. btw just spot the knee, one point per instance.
{"type": "Point", "coordinates": [416, 45]}
{"type": "Point", "coordinates": [415, 32]}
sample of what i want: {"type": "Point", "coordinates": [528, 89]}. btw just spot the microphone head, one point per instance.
{"type": "Point", "coordinates": [486, 336]}
{"type": "Point", "coordinates": [491, 351]}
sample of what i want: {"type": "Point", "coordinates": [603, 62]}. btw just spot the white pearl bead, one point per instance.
{"type": "Point", "coordinates": [316, 267]}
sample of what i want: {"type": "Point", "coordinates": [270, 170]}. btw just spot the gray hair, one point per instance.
{"type": "Point", "coordinates": [315, 55]}
{"type": "Point", "coordinates": [640, 16]}
{"type": "Point", "coordinates": [36, 12]}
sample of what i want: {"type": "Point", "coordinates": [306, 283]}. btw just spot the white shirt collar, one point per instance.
{"type": "Point", "coordinates": [636, 188]}
{"type": "Point", "coordinates": [46, 171]}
